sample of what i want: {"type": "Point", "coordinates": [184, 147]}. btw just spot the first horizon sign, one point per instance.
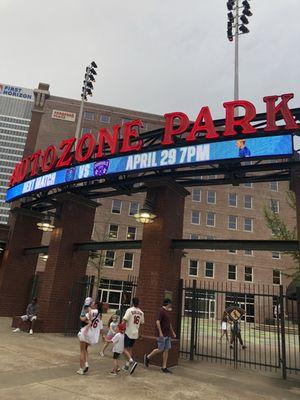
{"type": "Point", "coordinates": [53, 167]}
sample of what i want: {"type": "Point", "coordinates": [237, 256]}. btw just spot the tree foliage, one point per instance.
{"type": "Point", "coordinates": [281, 231]}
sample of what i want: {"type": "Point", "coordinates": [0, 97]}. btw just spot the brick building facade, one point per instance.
{"type": "Point", "coordinates": [220, 212]}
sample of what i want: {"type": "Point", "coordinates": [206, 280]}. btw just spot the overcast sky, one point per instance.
{"type": "Point", "coordinates": [153, 55]}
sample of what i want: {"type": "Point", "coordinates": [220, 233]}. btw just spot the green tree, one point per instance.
{"type": "Point", "coordinates": [281, 231]}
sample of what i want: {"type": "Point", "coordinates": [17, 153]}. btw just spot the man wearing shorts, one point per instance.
{"type": "Point", "coordinates": [164, 332]}
{"type": "Point", "coordinates": [133, 318]}
{"type": "Point", "coordinates": [31, 315]}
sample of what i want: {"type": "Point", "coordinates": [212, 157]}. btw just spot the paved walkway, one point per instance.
{"type": "Point", "coordinates": [42, 367]}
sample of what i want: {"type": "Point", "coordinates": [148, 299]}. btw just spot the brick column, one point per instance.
{"type": "Point", "coordinates": [160, 266]}
{"type": "Point", "coordinates": [17, 269]}
{"type": "Point", "coordinates": [64, 267]}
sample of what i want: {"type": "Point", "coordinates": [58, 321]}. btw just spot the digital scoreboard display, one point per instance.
{"type": "Point", "coordinates": [281, 145]}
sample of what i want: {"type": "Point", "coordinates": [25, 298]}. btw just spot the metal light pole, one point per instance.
{"type": "Point", "coordinates": [87, 88]}
{"type": "Point", "coordinates": [238, 22]}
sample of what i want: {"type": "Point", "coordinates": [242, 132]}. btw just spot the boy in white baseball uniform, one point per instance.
{"type": "Point", "coordinates": [133, 318]}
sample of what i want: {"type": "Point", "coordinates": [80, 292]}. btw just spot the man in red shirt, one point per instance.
{"type": "Point", "coordinates": [164, 331]}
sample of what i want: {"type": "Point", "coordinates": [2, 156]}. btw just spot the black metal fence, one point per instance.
{"type": "Point", "coordinates": [269, 330]}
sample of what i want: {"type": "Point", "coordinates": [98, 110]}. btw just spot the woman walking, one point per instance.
{"type": "Point", "coordinates": [224, 329]}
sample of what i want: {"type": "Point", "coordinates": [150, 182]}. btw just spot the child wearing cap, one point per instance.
{"type": "Point", "coordinates": [118, 347]}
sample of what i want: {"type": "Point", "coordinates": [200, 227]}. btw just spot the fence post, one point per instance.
{"type": "Point", "coordinates": [180, 299]}
{"type": "Point", "coordinates": [282, 328]}
{"type": "Point", "coordinates": [193, 322]}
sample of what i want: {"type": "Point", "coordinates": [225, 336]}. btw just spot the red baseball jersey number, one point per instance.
{"type": "Point", "coordinates": [136, 319]}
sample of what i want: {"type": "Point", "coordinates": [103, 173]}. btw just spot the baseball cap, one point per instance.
{"type": "Point", "coordinates": [122, 327]}
{"type": "Point", "coordinates": [88, 301]}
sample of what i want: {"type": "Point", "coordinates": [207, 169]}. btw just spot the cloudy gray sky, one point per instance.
{"type": "Point", "coordinates": [153, 55]}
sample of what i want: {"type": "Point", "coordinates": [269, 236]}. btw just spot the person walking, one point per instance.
{"type": "Point", "coordinates": [31, 315]}
{"type": "Point", "coordinates": [164, 332]}
{"type": "Point", "coordinates": [133, 319]}
{"type": "Point", "coordinates": [236, 334]}
{"type": "Point", "coordinates": [224, 330]}
{"type": "Point", "coordinates": [112, 325]}
{"type": "Point", "coordinates": [118, 347]}
{"type": "Point", "coordinates": [89, 333]}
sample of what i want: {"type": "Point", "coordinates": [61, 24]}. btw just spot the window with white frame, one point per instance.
{"type": "Point", "coordinates": [133, 208]}
{"type": "Point", "coordinates": [232, 222]}
{"type": "Point", "coordinates": [276, 255]}
{"type": "Point", "coordinates": [274, 186]}
{"type": "Point", "coordinates": [232, 272]}
{"type": "Point", "coordinates": [209, 269]}
{"type": "Point", "coordinates": [276, 277]}
{"type": "Point", "coordinates": [210, 219]}
{"type": "Point", "coordinates": [105, 118]}
{"type": "Point", "coordinates": [248, 274]}
{"type": "Point", "coordinates": [248, 224]}
{"type": "Point", "coordinates": [116, 206]}
{"type": "Point", "coordinates": [195, 217]}
{"type": "Point", "coordinates": [194, 236]}
{"type": "Point", "coordinates": [128, 261]}
{"type": "Point", "coordinates": [109, 259]}
{"type": "Point", "coordinates": [113, 231]}
{"type": "Point", "coordinates": [193, 267]}
{"type": "Point", "coordinates": [196, 194]}
{"type": "Point", "coordinates": [211, 197]}
{"type": "Point", "coordinates": [88, 115]}
{"type": "Point", "coordinates": [232, 199]}
{"type": "Point", "coordinates": [248, 184]}
{"type": "Point", "coordinates": [274, 206]}
{"type": "Point", "coordinates": [248, 200]}
{"type": "Point", "coordinates": [131, 233]}
{"type": "Point", "coordinates": [248, 252]}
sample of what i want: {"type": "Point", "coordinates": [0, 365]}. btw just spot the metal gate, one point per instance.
{"type": "Point", "coordinates": [269, 328]}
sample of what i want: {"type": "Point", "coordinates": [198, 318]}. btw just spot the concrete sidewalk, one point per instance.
{"type": "Point", "coordinates": [42, 366]}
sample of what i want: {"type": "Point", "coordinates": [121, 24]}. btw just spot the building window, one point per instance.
{"type": "Point", "coordinates": [113, 231]}
{"type": "Point", "coordinates": [248, 274]}
{"type": "Point", "coordinates": [248, 184]}
{"type": "Point", "coordinates": [133, 208]}
{"type": "Point", "coordinates": [276, 277]}
{"type": "Point", "coordinates": [86, 130]}
{"type": "Point", "coordinates": [128, 261]}
{"type": "Point", "coordinates": [248, 201]}
{"type": "Point", "coordinates": [210, 219]}
{"type": "Point", "coordinates": [196, 194]}
{"type": "Point", "coordinates": [274, 186]}
{"type": "Point", "coordinates": [232, 222]}
{"type": "Point", "coordinates": [194, 236]}
{"type": "Point", "coordinates": [232, 199]}
{"type": "Point", "coordinates": [248, 253]}
{"type": "Point", "coordinates": [274, 206]}
{"type": "Point", "coordinates": [209, 269]}
{"type": "Point", "coordinates": [193, 267]}
{"type": "Point", "coordinates": [248, 224]}
{"type": "Point", "coordinates": [109, 258]}
{"type": "Point", "coordinates": [232, 272]}
{"type": "Point", "coordinates": [276, 255]}
{"type": "Point", "coordinates": [195, 217]}
{"type": "Point", "coordinates": [88, 115]}
{"type": "Point", "coordinates": [131, 233]}
{"type": "Point", "coordinates": [116, 206]}
{"type": "Point", "coordinates": [105, 119]}
{"type": "Point", "coordinates": [232, 251]}
{"type": "Point", "coordinates": [211, 197]}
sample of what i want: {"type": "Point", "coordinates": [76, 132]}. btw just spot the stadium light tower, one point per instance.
{"type": "Point", "coordinates": [87, 89]}
{"type": "Point", "coordinates": [236, 25]}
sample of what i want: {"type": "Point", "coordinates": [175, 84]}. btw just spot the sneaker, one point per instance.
{"type": "Point", "coordinates": [86, 368]}
{"type": "Point", "coordinates": [125, 368]}
{"type": "Point", "coordinates": [118, 369]}
{"type": "Point", "coordinates": [133, 367]}
{"type": "Point", "coordinates": [17, 330]}
{"type": "Point", "coordinates": [113, 373]}
{"type": "Point", "coordinates": [166, 371]}
{"type": "Point", "coordinates": [146, 361]}
{"type": "Point", "coordinates": [80, 371]}
{"type": "Point", "coordinates": [101, 354]}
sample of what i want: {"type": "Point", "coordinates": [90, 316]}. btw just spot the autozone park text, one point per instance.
{"type": "Point", "coordinates": [80, 151]}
